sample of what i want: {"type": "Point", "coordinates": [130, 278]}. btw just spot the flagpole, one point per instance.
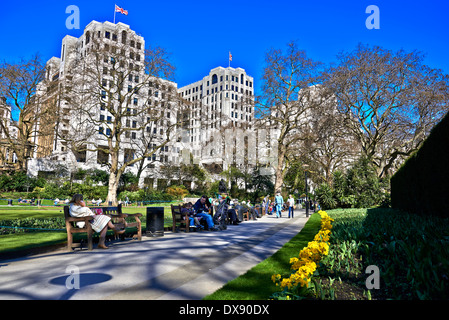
{"type": "Point", "coordinates": [115, 11]}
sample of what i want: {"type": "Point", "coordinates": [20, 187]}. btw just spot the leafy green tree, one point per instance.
{"type": "Point", "coordinates": [325, 197]}
{"type": "Point", "coordinates": [260, 184]}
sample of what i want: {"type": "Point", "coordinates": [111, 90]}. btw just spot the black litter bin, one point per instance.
{"type": "Point", "coordinates": [155, 222]}
{"type": "Point", "coordinates": [9, 202]}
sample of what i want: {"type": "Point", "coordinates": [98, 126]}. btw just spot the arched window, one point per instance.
{"type": "Point", "coordinates": [124, 37]}
{"type": "Point", "coordinates": [241, 79]}
{"type": "Point", "coordinates": [87, 37]}
{"type": "Point", "coordinates": [214, 79]}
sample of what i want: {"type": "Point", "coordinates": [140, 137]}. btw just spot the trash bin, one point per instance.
{"type": "Point", "coordinates": [155, 222]}
{"type": "Point", "coordinates": [9, 202]}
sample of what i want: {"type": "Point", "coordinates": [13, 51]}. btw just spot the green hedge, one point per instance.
{"type": "Point", "coordinates": [421, 185]}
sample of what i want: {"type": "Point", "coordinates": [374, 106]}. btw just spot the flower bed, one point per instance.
{"type": "Point", "coordinates": [304, 266]}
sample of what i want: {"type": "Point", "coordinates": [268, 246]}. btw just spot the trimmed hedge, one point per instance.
{"type": "Point", "coordinates": [421, 185]}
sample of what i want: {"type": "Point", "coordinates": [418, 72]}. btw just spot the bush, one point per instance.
{"type": "Point", "coordinates": [325, 197]}
{"type": "Point", "coordinates": [424, 178]}
{"type": "Point", "coordinates": [359, 187]}
{"type": "Point", "coordinates": [178, 192]}
{"type": "Point", "coordinates": [156, 195]}
{"type": "Point", "coordinates": [132, 195]}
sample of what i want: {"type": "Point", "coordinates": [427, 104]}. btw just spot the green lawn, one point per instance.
{"type": "Point", "coordinates": [25, 241]}
{"type": "Point", "coordinates": [256, 284]}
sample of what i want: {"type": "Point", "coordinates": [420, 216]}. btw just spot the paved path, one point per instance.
{"type": "Point", "coordinates": [177, 266]}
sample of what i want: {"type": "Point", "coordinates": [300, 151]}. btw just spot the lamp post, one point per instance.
{"type": "Point", "coordinates": [305, 166]}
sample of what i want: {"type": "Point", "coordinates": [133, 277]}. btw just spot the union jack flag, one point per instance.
{"type": "Point", "coordinates": [121, 10]}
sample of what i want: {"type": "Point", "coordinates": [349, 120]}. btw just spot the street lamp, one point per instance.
{"type": "Point", "coordinates": [305, 166]}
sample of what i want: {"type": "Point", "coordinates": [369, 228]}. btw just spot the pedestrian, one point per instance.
{"type": "Point", "coordinates": [266, 203]}
{"type": "Point", "coordinates": [291, 204]}
{"type": "Point", "coordinates": [100, 223]}
{"type": "Point", "coordinates": [278, 202]}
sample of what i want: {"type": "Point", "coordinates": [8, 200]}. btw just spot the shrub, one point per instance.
{"type": "Point", "coordinates": [359, 187]}
{"type": "Point", "coordinates": [325, 197]}
{"type": "Point", "coordinates": [178, 192]}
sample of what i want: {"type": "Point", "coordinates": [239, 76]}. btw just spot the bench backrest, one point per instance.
{"type": "Point", "coordinates": [104, 210]}
{"type": "Point", "coordinates": [176, 213]}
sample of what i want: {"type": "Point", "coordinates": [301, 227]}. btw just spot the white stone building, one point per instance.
{"type": "Point", "coordinates": [218, 130]}
{"type": "Point", "coordinates": [221, 117]}
{"type": "Point", "coordinates": [111, 53]}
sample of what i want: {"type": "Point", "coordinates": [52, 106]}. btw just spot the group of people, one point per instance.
{"type": "Point", "coordinates": [201, 217]}
{"type": "Point", "coordinates": [199, 214]}
{"type": "Point", "coordinates": [278, 205]}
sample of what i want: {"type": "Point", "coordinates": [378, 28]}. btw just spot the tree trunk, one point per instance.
{"type": "Point", "coordinates": [113, 186]}
{"type": "Point", "coordinates": [280, 168]}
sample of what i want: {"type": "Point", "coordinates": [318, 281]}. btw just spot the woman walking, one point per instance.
{"type": "Point", "coordinates": [279, 203]}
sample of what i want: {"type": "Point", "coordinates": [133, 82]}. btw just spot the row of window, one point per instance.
{"type": "Point", "coordinates": [233, 79]}
{"type": "Point", "coordinates": [114, 37]}
{"type": "Point", "coordinates": [215, 90]}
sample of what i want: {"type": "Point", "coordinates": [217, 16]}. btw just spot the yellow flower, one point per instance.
{"type": "Point", "coordinates": [306, 262]}
{"type": "Point", "coordinates": [275, 277]}
{"type": "Point", "coordinates": [323, 235]}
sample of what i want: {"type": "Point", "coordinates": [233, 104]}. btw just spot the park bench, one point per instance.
{"type": "Point", "coordinates": [118, 218]}
{"type": "Point", "coordinates": [179, 219]}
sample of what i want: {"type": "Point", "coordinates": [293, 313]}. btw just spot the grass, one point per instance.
{"type": "Point", "coordinates": [26, 241]}
{"type": "Point", "coordinates": [256, 284]}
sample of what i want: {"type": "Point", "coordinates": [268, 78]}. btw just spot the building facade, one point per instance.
{"type": "Point", "coordinates": [222, 114]}
{"type": "Point", "coordinates": [99, 92]}
{"type": "Point", "coordinates": [99, 88]}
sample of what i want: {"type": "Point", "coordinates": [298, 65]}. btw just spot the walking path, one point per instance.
{"type": "Point", "coordinates": [178, 266]}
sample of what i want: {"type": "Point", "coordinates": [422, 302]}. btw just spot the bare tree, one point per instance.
{"type": "Point", "coordinates": [18, 86]}
{"type": "Point", "coordinates": [390, 101]}
{"type": "Point", "coordinates": [289, 91]}
{"type": "Point", "coordinates": [326, 144]}
{"type": "Point", "coordinates": [116, 95]}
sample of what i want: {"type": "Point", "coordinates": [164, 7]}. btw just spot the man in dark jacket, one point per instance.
{"type": "Point", "coordinates": [202, 210]}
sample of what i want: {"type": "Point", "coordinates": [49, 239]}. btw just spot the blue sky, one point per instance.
{"type": "Point", "coordinates": [199, 34]}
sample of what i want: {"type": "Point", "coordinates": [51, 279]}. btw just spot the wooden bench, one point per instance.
{"type": "Point", "coordinates": [179, 219]}
{"type": "Point", "coordinates": [118, 218]}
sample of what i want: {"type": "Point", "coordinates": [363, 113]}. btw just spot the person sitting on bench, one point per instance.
{"type": "Point", "coordinates": [201, 210]}
{"type": "Point", "coordinates": [100, 223]}
{"type": "Point", "coordinates": [190, 214]}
